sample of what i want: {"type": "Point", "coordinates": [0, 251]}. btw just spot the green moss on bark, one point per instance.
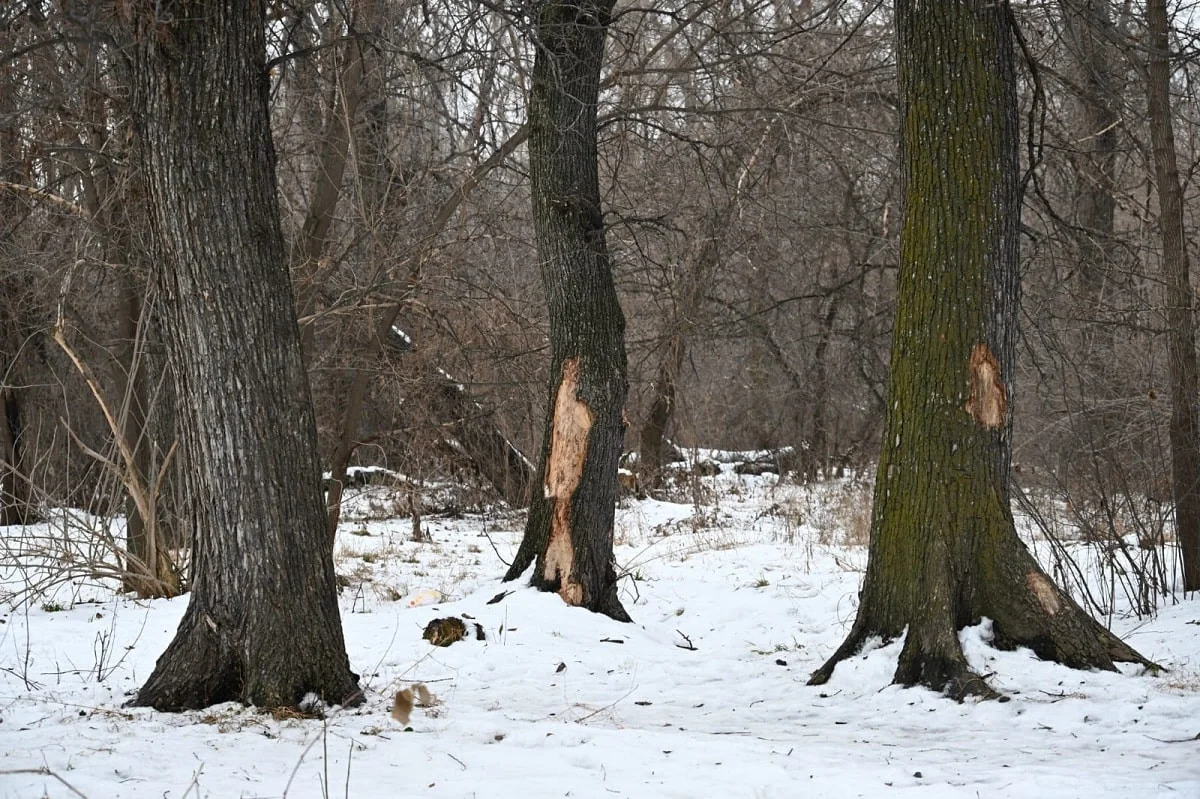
{"type": "Point", "coordinates": [944, 551]}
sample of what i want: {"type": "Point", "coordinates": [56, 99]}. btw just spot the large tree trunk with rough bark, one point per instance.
{"type": "Point", "coordinates": [262, 625]}
{"type": "Point", "coordinates": [1181, 318]}
{"type": "Point", "coordinates": [944, 552]}
{"type": "Point", "coordinates": [569, 535]}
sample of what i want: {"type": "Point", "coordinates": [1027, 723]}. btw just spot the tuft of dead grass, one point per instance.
{"type": "Point", "coordinates": [840, 512]}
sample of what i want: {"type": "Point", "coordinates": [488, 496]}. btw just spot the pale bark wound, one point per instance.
{"type": "Point", "coordinates": [1044, 590]}
{"type": "Point", "coordinates": [986, 403]}
{"type": "Point", "coordinates": [568, 449]}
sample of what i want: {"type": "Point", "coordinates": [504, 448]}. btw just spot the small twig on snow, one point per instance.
{"type": "Point", "coordinates": [689, 646]}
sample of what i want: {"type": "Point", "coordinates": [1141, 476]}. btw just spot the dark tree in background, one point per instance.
{"type": "Point", "coordinates": [262, 625]}
{"type": "Point", "coordinates": [1181, 317]}
{"type": "Point", "coordinates": [15, 506]}
{"type": "Point", "coordinates": [944, 551]}
{"type": "Point", "coordinates": [570, 527]}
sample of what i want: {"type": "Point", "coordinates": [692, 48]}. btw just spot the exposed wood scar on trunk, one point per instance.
{"type": "Point", "coordinates": [1044, 590]}
{"type": "Point", "coordinates": [986, 403]}
{"type": "Point", "coordinates": [571, 423]}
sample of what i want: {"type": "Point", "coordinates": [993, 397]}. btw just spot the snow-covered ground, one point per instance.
{"type": "Point", "coordinates": [737, 595]}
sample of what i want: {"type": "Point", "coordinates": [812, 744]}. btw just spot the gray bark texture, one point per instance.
{"type": "Point", "coordinates": [570, 529]}
{"type": "Point", "coordinates": [262, 625]}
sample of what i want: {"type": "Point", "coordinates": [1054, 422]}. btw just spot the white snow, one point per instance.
{"type": "Point", "coordinates": [760, 579]}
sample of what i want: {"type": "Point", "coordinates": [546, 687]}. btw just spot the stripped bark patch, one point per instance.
{"type": "Point", "coordinates": [570, 425]}
{"type": "Point", "coordinates": [1044, 590]}
{"type": "Point", "coordinates": [986, 402]}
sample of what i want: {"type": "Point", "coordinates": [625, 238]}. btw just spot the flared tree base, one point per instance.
{"type": "Point", "coordinates": [1041, 619]}
{"type": "Point", "coordinates": [202, 668]}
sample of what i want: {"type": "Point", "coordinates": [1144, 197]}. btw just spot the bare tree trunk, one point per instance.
{"type": "Point", "coordinates": [1089, 27]}
{"type": "Point", "coordinates": [697, 274]}
{"type": "Point", "coordinates": [662, 408]}
{"type": "Point", "coordinates": [332, 156]}
{"type": "Point", "coordinates": [816, 460]}
{"type": "Point", "coordinates": [702, 262]}
{"type": "Point", "coordinates": [150, 570]}
{"type": "Point", "coordinates": [369, 135]}
{"type": "Point", "coordinates": [15, 506]}
{"type": "Point", "coordinates": [262, 625]}
{"type": "Point", "coordinates": [944, 552]}
{"type": "Point", "coordinates": [1101, 382]}
{"type": "Point", "coordinates": [1181, 319]}
{"type": "Point", "coordinates": [114, 199]}
{"type": "Point", "coordinates": [134, 399]}
{"type": "Point", "coordinates": [347, 443]}
{"type": "Point", "coordinates": [570, 528]}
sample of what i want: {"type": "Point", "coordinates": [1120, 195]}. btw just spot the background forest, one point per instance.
{"type": "Point", "coordinates": [750, 192]}
{"type": "Point", "coordinates": [711, 228]}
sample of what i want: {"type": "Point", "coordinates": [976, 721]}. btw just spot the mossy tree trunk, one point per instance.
{"type": "Point", "coordinates": [944, 552]}
{"type": "Point", "coordinates": [1181, 316]}
{"type": "Point", "coordinates": [570, 529]}
{"type": "Point", "coordinates": [262, 625]}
